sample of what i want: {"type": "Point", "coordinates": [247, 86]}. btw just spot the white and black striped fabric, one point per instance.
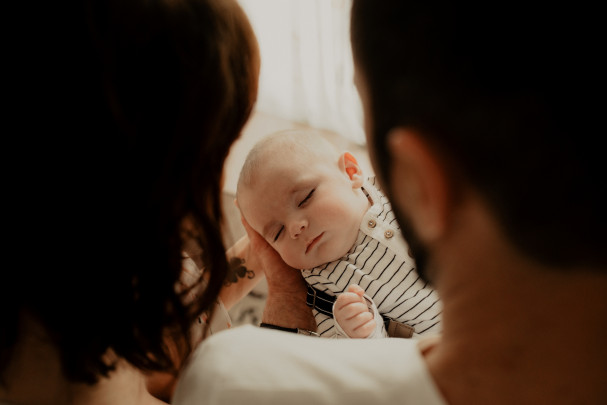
{"type": "Point", "coordinates": [380, 264]}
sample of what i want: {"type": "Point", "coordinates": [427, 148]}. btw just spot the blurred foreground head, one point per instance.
{"type": "Point", "coordinates": [127, 111]}
{"type": "Point", "coordinates": [506, 94]}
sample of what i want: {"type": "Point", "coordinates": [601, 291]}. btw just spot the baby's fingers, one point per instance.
{"type": "Point", "coordinates": [365, 325]}
{"type": "Point", "coordinates": [359, 326]}
{"type": "Point", "coordinates": [348, 298]}
{"type": "Point", "coordinates": [356, 289]}
{"type": "Point", "coordinates": [351, 310]}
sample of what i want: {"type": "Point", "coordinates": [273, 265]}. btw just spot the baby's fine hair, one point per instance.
{"type": "Point", "coordinates": [303, 142]}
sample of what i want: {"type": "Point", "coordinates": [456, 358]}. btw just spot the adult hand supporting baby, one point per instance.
{"type": "Point", "coordinates": [286, 302]}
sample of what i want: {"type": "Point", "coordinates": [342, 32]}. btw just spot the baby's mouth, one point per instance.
{"type": "Point", "coordinates": [313, 242]}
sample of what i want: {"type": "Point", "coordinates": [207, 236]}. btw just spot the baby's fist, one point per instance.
{"type": "Point", "coordinates": [352, 313]}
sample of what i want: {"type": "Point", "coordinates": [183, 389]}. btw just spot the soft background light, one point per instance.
{"type": "Point", "coordinates": [306, 63]}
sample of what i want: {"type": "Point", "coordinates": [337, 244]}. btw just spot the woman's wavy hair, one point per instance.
{"type": "Point", "coordinates": [130, 122]}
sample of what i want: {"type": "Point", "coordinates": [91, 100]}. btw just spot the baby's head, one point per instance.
{"type": "Point", "coordinates": [302, 196]}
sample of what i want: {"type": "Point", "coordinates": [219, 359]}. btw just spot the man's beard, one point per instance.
{"type": "Point", "coordinates": [417, 249]}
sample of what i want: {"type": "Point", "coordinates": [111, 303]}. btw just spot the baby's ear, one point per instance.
{"type": "Point", "coordinates": [350, 166]}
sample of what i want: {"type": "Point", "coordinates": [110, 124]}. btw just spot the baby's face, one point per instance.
{"type": "Point", "coordinates": [309, 210]}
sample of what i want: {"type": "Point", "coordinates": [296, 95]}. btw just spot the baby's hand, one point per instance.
{"type": "Point", "coordinates": [352, 313]}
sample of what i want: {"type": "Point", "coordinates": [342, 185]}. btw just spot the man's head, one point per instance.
{"type": "Point", "coordinates": [501, 94]}
{"type": "Point", "coordinates": [302, 196]}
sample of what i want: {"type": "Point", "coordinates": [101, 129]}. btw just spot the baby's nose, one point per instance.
{"type": "Point", "coordinates": [297, 228]}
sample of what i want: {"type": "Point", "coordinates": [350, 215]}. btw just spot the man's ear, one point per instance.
{"type": "Point", "coordinates": [350, 166]}
{"type": "Point", "coordinates": [419, 182]}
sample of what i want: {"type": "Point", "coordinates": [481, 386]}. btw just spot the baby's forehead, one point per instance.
{"type": "Point", "coordinates": [280, 169]}
{"type": "Point", "coordinates": [285, 153]}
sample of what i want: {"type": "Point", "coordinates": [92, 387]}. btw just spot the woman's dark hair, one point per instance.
{"type": "Point", "coordinates": [506, 92]}
{"type": "Point", "coordinates": [131, 109]}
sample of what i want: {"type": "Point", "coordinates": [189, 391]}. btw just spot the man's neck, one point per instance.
{"type": "Point", "coordinates": [515, 331]}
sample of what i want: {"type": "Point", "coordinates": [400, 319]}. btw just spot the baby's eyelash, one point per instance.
{"type": "Point", "coordinates": [307, 197]}
{"type": "Point", "coordinates": [299, 205]}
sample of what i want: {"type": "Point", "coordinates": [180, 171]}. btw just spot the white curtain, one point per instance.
{"type": "Point", "coordinates": [306, 63]}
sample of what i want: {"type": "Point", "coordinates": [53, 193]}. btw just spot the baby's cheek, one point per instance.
{"type": "Point", "coordinates": [290, 257]}
{"type": "Point", "coordinates": [336, 211]}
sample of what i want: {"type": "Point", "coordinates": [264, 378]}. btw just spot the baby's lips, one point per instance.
{"type": "Point", "coordinates": [310, 244]}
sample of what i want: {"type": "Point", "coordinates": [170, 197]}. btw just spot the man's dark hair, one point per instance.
{"type": "Point", "coordinates": [509, 94]}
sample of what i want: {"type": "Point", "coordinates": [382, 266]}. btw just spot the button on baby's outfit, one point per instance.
{"type": "Point", "coordinates": [388, 234]}
{"type": "Point", "coordinates": [371, 223]}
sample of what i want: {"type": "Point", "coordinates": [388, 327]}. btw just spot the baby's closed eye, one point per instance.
{"type": "Point", "coordinates": [305, 200]}
{"type": "Point", "coordinates": [278, 233]}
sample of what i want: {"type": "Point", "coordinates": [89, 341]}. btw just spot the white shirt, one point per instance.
{"type": "Point", "coordinates": [250, 365]}
{"type": "Point", "coordinates": [380, 264]}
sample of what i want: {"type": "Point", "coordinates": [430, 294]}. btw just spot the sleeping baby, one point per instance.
{"type": "Point", "coordinates": [313, 205]}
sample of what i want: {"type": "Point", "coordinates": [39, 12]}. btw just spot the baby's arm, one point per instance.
{"type": "Point", "coordinates": [353, 315]}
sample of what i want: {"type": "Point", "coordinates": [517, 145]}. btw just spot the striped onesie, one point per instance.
{"type": "Point", "coordinates": [380, 264]}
